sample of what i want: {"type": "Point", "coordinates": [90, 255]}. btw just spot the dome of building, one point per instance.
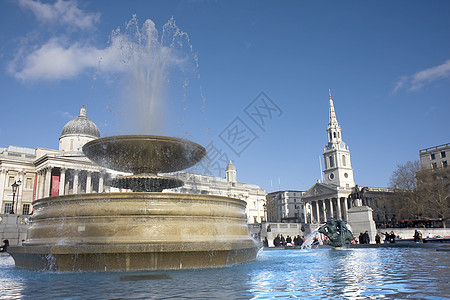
{"type": "Point", "coordinates": [230, 167]}
{"type": "Point", "coordinates": [81, 125]}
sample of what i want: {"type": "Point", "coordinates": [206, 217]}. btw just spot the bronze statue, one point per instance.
{"type": "Point", "coordinates": [337, 233]}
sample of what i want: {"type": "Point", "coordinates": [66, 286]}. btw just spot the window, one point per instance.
{"type": "Point", "coordinates": [8, 207]}
{"type": "Point", "coordinates": [11, 181]}
{"type": "Point", "coordinates": [444, 163]}
{"type": "Point", "coordinates": [334, 134]}
{"type": "Point", "coordinates": [28, 183]}
{"type": "Point", "coordinates": [433, 156]}
{"type": "Point", "coordinates": [331, 161]}
{"type": "Point", "coordinates": [433, 165]}
{"type": "Point", "coordinates": [26, 209]}
{"type": "Point", "coordinates": [443, 154]}
{"type": "Point", "coordinates": [344, 163]}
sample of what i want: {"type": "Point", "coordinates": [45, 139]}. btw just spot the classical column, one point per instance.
{"type": "Point", "coordinates": [346, 209]}
{"type": "Point", "coordinates": [88, 182]}
{"type": "Point", "coordinates": [338, 207]}
{"type": "Point", "coordinates": [75, 181]}
{"type": "Point", "coordinates": [41, 180]}
{"type": "Point", "coordinates": [62, 181]}
{"type": "Point", "coordinates": [100, 182]}
{"type": "Point", "coordinates": [324, 211]}
{"type": "Point", "coordinates": [2, 183]}
{"type": "Point", "coordinates": [317, 210]}
{"type": "Point", "coordinates": [48, 179]}
{"type": "Point", "coordinates": [331, 208]}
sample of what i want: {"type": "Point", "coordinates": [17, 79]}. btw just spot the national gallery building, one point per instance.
{"type": "Point", "coordinates": [28, 174]}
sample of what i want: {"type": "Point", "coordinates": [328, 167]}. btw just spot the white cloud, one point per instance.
{"type": "Point", "coordinates": [53, 61]}
{"type": "Point", "coordinates": [61, 12]}
{"type": "Point", "coordinates": [421, 78]}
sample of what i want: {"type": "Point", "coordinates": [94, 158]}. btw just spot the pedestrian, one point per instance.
{"type": "Point", "coordinates": [277, 241]}
{"type": "Point", "coordinates": [265, 242]}
{"type": "Point", "coordinates": [360, 238]}
{"type": "Point", "coordinates": [392, 237]}
{"type": "Point", "coordinates": [377, 239]}
{"type": "Point", "coordinates": [366, 238]}
{"type": "Point", "coordinates": [288, 241]}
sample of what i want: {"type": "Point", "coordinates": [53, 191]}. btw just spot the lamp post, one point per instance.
{"type": "Point", "coordinates": [14, 186]}
{"type": "Point", "coordinates": [265, 211]}
{"type": "Point", "coordinates": [17, 202]}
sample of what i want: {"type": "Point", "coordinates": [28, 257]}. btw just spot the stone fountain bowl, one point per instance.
{"type": "Point", "coordinates": [144, 154]}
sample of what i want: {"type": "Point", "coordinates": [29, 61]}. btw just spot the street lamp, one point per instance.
{"type": "Point", "coordinates": [265, 212]}
{"type": "Point", "coordinates": [14, 186]}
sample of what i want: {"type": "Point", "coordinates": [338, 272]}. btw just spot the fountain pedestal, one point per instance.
{"type": "Point", "coordinates": [139, 230]}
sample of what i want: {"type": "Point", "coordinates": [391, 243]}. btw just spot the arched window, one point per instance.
{"type": "Point", "coordinates": [344, 163]}
{"type": "Point", "coordinates": [331, 161]}
{"type": "Point", "coordinates": [334, 134]}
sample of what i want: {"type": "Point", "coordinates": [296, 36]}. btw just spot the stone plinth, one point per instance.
{"type": "Point", "coordinates": [360, 219]}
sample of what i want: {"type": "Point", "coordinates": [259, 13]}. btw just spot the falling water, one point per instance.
{"type": "Point", "coordinates": [311, 240]}
{"type": "Point", "coordinates": [151, 67]}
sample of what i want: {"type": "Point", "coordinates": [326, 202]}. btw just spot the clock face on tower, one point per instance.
{"type": "Point", "coordinates": [342, 146]}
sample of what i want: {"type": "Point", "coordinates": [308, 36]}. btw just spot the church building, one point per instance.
{"type": "Point", "coordinates": [328, 199]}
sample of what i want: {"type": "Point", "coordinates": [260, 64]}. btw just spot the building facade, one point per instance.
{"type": "Point", "coordinates": [285, 206]}
{"type": "Point", "coordinates": [434, 157]}
{"type": "Point", "coordinates": [227, 187]}
{"type": "Point", "coordinates": [41, 173]}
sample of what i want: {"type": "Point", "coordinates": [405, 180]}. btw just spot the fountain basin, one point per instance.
{"type": "Point", "coordinates": [144, 154]}
{"type": "Point", "coordinates": [135, 231]}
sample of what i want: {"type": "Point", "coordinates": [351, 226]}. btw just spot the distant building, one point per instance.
{"type": "Point", "coordinates": [434, 157]}
{"type": "Point", "coordinates": [285, 206]}
{"type": "Point", "coordinates": [44, 173]}
{"type": "Point", "coordinates": [228, 187]}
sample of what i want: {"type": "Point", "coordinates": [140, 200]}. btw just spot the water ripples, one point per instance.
{"type": "Point", "coordinates": [305, 274]}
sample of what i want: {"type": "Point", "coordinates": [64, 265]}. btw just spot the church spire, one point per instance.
{"type": "Point", "coordinates": [333, 119]}
{"type": "Point", "coordinates": [336, 155]}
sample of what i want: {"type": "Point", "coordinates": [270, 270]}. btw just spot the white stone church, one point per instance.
{"type": "Point", "coordinates": [329, 199]}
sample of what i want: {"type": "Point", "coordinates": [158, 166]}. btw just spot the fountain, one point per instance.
{"type": "Point", "coordinates": [336, 232]}
{"type": "Point", "coordinates": [143, 230]}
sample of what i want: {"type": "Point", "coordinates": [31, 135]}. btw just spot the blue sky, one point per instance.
{"type": "Point", "coordinates": [387, 64]}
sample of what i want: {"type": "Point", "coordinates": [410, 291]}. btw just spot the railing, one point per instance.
{"type": "Point", "coordinates": [434, 148]}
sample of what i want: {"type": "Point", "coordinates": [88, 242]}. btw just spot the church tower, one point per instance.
{"type": "Point", "coordinates": [338, 169]}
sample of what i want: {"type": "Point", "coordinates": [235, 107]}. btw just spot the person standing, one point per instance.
{"type": "Point", "coordinates": [377, 239]}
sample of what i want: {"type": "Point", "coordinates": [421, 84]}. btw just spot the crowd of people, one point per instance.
{"type": "Point", "coordinates": [280, 241]}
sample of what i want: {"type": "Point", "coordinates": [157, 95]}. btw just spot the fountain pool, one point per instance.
{"type": "Point", "coordinates": [389, 273]}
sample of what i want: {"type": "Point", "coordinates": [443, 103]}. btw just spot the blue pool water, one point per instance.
{"type": "Point", "coordinates": [396, 273]}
